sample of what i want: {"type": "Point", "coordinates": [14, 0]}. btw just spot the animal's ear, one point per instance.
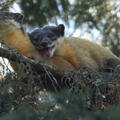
{"type": "Point", "coordinates": [18, 17]}
{"type": "Point", "coordinates": [61, 29]}
{"type": "Point", "coordinates": [12, 16]}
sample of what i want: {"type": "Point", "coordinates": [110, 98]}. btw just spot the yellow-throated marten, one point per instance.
{"type": "Point", "coordinates": [71, 53]}
{"type": "Point", "coordinates": [47, 39]}
{"type": "Point", "coordinates": [12, 33]}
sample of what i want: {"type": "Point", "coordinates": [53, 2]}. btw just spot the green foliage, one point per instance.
{"type": "Point", "coordinates": [39, 11]}
{"type": "Point", "coordinates": [88, 98]}
{"type": "Point", "coordinates": [24, 112]}
{"type": "Point", "coordinates": [63, 106]}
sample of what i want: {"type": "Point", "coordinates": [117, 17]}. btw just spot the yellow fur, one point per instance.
{"type": "Point", "coordinates": [73, 53]}
{"type": "Point", "coordinates": [17, 39]}
{"type": "Point", "coordinates": [83, 53]}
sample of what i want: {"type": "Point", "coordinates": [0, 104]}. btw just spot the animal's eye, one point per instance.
{"type": "Point", "coordinates": [54, 38]}
{"type": "Point", "coordinates": [35, 41]}
{"type": "Point", "coordinates": [38, 38]}
{"type": "Point", "coordinates": [49, 35]}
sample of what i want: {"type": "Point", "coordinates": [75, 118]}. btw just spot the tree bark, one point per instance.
{"type": "Point", "coordinates": [52, 78]}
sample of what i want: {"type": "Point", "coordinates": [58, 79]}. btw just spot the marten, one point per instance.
{"type": "Point", "coordinates": [12, 33]}
{"type": "Point", "coordinates": [65, 53]}
{"type": "Point", "coordinates": [71, 53]}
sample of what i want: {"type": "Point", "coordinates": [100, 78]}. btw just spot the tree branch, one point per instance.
{"type": "Point", "coordinates": [51, 77]}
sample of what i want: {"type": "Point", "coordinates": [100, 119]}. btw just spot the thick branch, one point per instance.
{"type": "Point", "coordinates": [16, 57]}
{"type": "Point", "coordinates": [38, 67]}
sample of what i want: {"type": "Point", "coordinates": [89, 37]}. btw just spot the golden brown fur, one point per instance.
{"type": "Point", "coordinates": [73, 53]}
{"type": "Point", "coordinates": [19, 40]}
{"type": "Point", "coordinates": [82, 53]}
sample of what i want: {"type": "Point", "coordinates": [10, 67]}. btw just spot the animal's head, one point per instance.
{"type": "Point", "coordinates": [10, 22]}
{"type": "Point", "coordinates": [48, 39]}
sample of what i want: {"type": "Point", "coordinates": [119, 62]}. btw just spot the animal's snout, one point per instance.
{"type": "Point", "coordinates": [45, 42]}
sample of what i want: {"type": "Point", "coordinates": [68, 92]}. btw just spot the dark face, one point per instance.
{"type": "Point", "coordinates": [17, 17]}
{"type": "Point", "coordinates": [48, 38]}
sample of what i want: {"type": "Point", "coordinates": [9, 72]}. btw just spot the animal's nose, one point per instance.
{"type": "Point", "coordinates": [44, 43]}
